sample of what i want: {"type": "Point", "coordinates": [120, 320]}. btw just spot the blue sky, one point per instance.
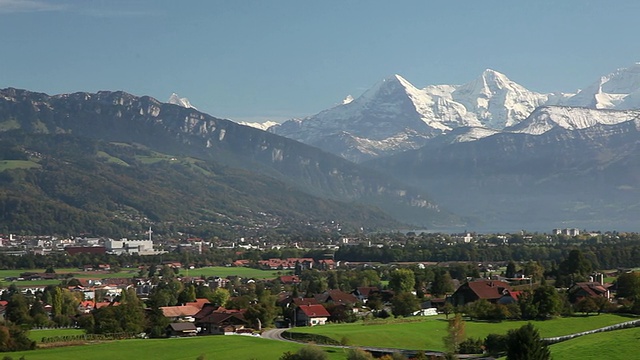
{"type": "Point", "coordinates": [256, 60]}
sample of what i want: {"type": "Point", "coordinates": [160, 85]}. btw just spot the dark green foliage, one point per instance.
{"type": "Point", "coordinates": [404, 304]}
{"type": "Point", "coordinates": [573, 269]}
{"type": "Point", "coordinates": [495, 343]}
{"type": "Point", "coordinates": [471, 346]}
{"type": "Point", "coordinates": [628, 285]}
{"type": "Point", "coordinates": [442, 283]}
{"type": "Point", "coordinates": [14, 338]}
{"type": "Point", "coordinates": [17, 310]}
{"type": "Point", "coordinates": [309, 352]}
{"type": "Point", "coordinates": [511, 270]}
{"type": "Point", "coordinates": [402, 280]}
{"type": "Point", "coordinates": [586, 305]}
{"type": "Point", "coordinates": [543, 303]}
{"type": "Point", "coordinates": [525, 344]}
{"type": "Point", "coordinates": [341, 313]}
{"type": "Point", "coordinates": [75, 190]}
{"type": "Point", "coordinates": [128, 317]}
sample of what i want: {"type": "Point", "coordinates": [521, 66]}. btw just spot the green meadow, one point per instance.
{"type": "Point", "coordinates": [425, 334]}
{"type": "Point", "coordinates": [17, 164]}
{"type": "Point", "coordinates": [37, 335]}
{"type": "Point", "coordinates": [613, 345]}
{"type": "Point", "coordinates": [212, 347]}
{"type": "Point", "coordinates": [221, 271]}
{"type": "Point", "coordinates": [224, 271]}
{"type": "Point", "coordinates": [428, 333]}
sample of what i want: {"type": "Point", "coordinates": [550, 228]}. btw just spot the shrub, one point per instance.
{"type": "Point", "coordinates": [471, 346]}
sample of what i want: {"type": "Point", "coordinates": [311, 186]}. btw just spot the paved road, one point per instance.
{"type": "Point", "coordinates": [275, 334]}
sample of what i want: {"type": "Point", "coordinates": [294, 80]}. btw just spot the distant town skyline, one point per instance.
{"type": "Point", "coordinates": [259, 60]}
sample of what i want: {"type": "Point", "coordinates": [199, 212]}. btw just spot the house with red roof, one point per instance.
{"type": "Point", "coordinates": [581, 290]}
{"type": "Point", "coordinates": [216, 320]}
{"type": "Point", "coordinates": [336, 297]}
{"type": "Point", "coordinates": [509, 297]}
{"type": "Point", "coordinates": [311, 315]}
{"type": "Point", "coordinates": [491, 290]}
{"type": "Point", "coordinates": [289, 279]}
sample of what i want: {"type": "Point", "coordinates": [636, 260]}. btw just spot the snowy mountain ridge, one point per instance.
{"type": "Point", "coordinates": [395, 116]}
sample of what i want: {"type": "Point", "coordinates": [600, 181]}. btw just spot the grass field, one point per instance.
{"type": "Point", "coordinates": [616, 345]}
{"type": "Point", "coordinates": [223, 271]}
{"type": "Point", "coordinates": [212, 347]}
{"type": "Point", "coordinates": [428, 333]}
{"type": "Point", "coordinates": [17, 164]}
{"type": "Point", "coordinates": [37, 335]}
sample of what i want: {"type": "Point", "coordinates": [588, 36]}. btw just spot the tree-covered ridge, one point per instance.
{"type": "Point", "coordinates": [171, 129]}
{"type": "Point", "coordinates": [82, 185]}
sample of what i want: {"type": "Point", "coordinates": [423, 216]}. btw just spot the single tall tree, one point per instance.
{"type": "Point", "coordinates": [455, 334]}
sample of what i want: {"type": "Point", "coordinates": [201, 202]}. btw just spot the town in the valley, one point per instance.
{"type": "Point", "coordinates": [169, 287]}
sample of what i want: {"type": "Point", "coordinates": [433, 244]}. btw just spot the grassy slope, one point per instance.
{"type": "Point", "coordinates": [620, 344]}
{"type": "Point", "coordinates": [213, 347]}
{"type": "Point", "coordinates": [428, 334]}
{"type": "Point", "coordinates": [17, 164]}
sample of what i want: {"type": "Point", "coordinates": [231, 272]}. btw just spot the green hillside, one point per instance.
{"type": "Point", "coordinates": [75, 185]}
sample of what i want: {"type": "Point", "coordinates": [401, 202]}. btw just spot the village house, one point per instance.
{"type": "Point", "coordinates": [311, 315]}
{"type": "Point", "coordinates": [214, 320]}
{"type": "Point", "coordinates": [581, 290]}
{"type": "Point", "coordinates": [491, 290]}
{"type": "Point", "coordinates": [181, 329]}
{"type": "Point", "coordinates": [336, 297]}
{"type": "Point", "coordinates": [181, 313]}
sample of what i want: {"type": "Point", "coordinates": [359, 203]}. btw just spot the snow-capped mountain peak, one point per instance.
{"type": "Point", "coordinates": [177, 100]}
{"type": "Point", "coordinates": [394, 115]}
{"type": "Point", "coordinates": [610, 91]}
{"type": "Point", "coordinates": [259, 125]}
{"type": "Point", "coordinates": [496, 100]}
{"type": "Point", "coordinates": [546, 118]}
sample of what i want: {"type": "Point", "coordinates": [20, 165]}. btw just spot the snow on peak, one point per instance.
{"type": "Point", "coordinates": [177, 100]}
{"type": "Point", "coordinates": [546, 118]}
{"type": "Point", "coordinates": [496, 100]}
{"type": "Point", "coordinates": [347, 100]}
{"type": "Point", "coordinates": [259, 125]}
{"type": "Point", "coordinates": [610, 91]}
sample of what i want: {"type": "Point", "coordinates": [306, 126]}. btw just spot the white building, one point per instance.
{"type": "Point", "coordinates": [124, 245]}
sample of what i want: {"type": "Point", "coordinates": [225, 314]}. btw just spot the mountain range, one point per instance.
{"type": "Point", "coordinates": [496, 152]}
{"type": "Point", "coordinates": [486, 155]}
{"type": "Point", "coordinates": [183, 132]}
{"type": "Point", "coordinates": [394, 116]}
